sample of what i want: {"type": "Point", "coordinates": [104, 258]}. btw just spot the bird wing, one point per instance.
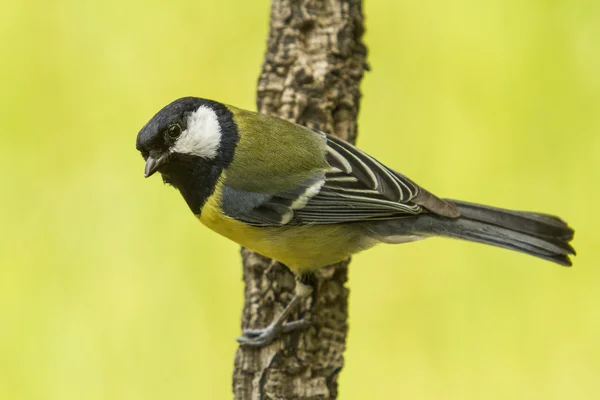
{"type": "Point", "coordinates": [355, 187]}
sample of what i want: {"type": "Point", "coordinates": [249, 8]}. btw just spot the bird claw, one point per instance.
{"type": "Point", "coordinates": [263, 337]}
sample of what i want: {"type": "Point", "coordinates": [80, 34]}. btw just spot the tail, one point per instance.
{"type": "Point", "coordinates": [539, 235]}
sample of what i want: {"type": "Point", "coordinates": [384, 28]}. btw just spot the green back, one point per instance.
{"type": "Point", "coordinates": [272, 154]}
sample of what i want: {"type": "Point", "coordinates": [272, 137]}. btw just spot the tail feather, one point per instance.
{"type": "Point", "coordinates": [483, 232]}
{"type": "Point", "coordinates": [540, 235]}
{"type": "Point", "coordinates": [521, 221]}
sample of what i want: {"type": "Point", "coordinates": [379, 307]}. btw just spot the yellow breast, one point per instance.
{"type": "Point", "coordinates": [301, 248]}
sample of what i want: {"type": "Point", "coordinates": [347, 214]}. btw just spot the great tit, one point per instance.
{"type": "Point", "coordinates": [308, 199]}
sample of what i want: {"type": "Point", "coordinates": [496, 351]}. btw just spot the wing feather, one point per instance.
{"type": "Point", "coordinates": [356, 187]}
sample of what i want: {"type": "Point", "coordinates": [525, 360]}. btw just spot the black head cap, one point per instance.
{"type": "Point", "coordinates": [153, 135]}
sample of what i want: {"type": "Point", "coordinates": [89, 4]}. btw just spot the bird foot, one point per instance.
{"type": "Point", "coordinates": [263, 337]}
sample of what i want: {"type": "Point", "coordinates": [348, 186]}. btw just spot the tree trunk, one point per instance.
{"type": "Point", "coordinates": [313, 65]}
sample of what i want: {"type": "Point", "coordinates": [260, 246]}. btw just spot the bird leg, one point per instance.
{"type": "Point", "coordinates": [263, 337]}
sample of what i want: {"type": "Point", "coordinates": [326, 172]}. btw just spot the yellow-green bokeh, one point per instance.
{"type": "Point", "coordinates": [110, 289]}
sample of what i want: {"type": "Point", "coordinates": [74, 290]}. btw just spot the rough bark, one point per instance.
{"type": "Point", "coordinates": [313, 65]}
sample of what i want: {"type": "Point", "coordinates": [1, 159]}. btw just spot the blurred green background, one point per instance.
{"type": "Point", "coordinates": [110, 289]}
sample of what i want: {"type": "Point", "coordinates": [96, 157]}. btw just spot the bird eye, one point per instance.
{"type": "Point", "coordinates": [174, 131]}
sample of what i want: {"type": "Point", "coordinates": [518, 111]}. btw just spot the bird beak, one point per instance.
{"type": "Point", "coordinates": [153, 164]}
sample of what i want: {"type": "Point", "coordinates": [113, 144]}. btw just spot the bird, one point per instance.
{"type": "Point", "coordinates": [308, 199]}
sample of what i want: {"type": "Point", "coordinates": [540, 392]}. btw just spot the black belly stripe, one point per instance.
{"type": "Point", "coordinates": [195, 177]}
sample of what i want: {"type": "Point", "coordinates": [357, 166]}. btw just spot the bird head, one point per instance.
{"type": "Point", "coordinates": [187, 127]}
{"type": "Point", "coordinates": [189, 142]}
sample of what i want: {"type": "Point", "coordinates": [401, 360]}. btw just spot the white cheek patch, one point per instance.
{"type": "Point", "coordinates": [202, 136]}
